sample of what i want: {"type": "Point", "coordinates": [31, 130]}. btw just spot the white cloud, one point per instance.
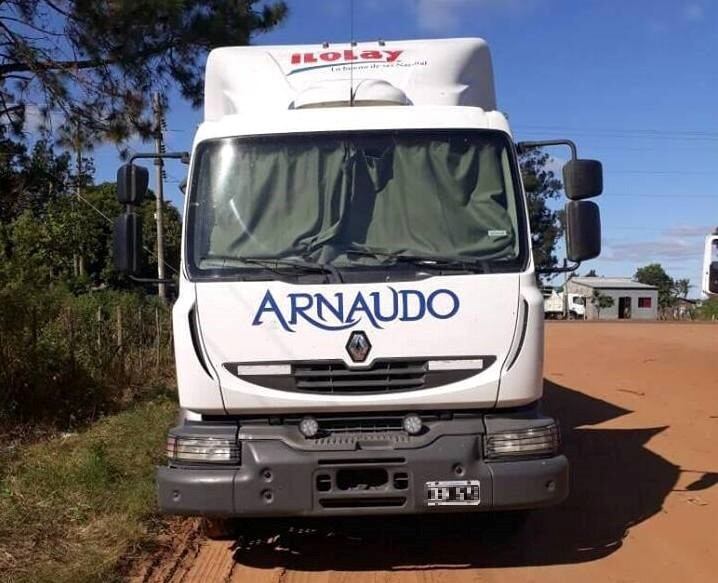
{"type": "Point", "coordinates": [439, 15]}
{"type": "Point", "coordinates": [689, 231]}
{"type": "Point", "coordinates": [690, 13]}
{"type": "Point", "coordinates": [651, 251]}
{"type": "Point", "coordinates": [674, 243]}
{"type": "Point", "coordinates": [694, 12]}
{"type": "Point", "coordinates": [444, 16]}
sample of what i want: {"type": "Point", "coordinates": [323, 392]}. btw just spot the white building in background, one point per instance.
{"type": "Point", "coordinates": [631, 300]}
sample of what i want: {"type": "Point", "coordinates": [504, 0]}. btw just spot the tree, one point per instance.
{"type": "Point", "coordinates": [600, 301]}
{"type": "Point", "coordinates": [41, 251]}
{"type": "Point", "coordinates": [682, 287]}
{"type": "Point", "coordinates": [541, 186]}
{"type": "Point", "coordinates": [31, 180]}
{"type": "Point", "coordinates": [654, 275]}
{"type": "Point", "coordinates": [97, 63]}
{"type": "Point", "coordinates": [591, 273]}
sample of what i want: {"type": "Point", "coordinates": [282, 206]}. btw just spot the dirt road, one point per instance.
{"type": "Point", "coordinates": [638, 405]}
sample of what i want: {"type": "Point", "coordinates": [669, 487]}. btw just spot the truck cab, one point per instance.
{"type": "Point", "coordinates": [359, 327]}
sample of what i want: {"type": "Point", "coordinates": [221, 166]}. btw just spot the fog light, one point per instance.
{"type": "Point", "coordinates": [309, 427]}
{"type": "Point", "coordinates": [202, 449]}
{"type": "Point", "coordinates": [535, 441]}
{"type": "Point", "coordinates": [413, 424]}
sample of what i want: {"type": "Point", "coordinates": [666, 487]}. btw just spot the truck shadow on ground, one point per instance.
{"type": "Point", "coordinates": [616, 483]}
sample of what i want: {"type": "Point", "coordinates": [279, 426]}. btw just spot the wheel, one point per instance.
{"type": "Point", "coordinates": [219, 528]}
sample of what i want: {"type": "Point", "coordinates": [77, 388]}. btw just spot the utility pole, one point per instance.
{"type": "Point", "coordinates": [565, 291]}
{"type": "Point", "coordinates": [159, 165]}
{"type": "Point", "coordinates": [78, 259]}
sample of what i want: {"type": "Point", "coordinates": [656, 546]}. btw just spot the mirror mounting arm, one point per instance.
{"type": "Point", "coordinates": [524, 146]}
{"type": "Point", "coordinates": [181, 156]}
{"type": "Point", "coordinates": [555, 270]}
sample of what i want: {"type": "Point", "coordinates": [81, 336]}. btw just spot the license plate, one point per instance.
{"type": "Point", "coordinates": [453, 493]}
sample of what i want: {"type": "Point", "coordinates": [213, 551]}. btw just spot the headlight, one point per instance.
{"type": "Point", "coordinates": [536, 441]}
{"type": "Point", "coordinates": [202, 449]}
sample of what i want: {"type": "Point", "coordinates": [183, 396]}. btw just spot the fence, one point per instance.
{"type": "Point", "coordinates": [66, 358]}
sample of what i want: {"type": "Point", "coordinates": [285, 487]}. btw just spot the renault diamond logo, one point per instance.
{"type": "Point", "coordinates": [358, 346]}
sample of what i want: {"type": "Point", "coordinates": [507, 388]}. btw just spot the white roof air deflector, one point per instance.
{"type": "Point", "coordinates": [254, 80]}
{"type": "Point", "coordinates": [337, 94]}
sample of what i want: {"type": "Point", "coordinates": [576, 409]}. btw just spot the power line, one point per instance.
{"type": "Point", "coordinates": [109, 220]}
{"type": "Point", "coordinates": [699, 141]}
{"type": "Point", "coordinates": [653, 230]}
{"type": "Point", "coordinates": [649, 132]}
{"type": "Point", "coordinates": [681, 172]}
{"type": "Point", "coordinates": [659, 195]}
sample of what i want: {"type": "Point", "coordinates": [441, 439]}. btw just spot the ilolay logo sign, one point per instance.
{"type": "Point", "coordinates": [344, 57]}
{"type": "Point", "coordinates": [340, 311]}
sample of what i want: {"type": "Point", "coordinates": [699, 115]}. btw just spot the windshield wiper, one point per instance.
{"type": "Point", "coordinates": [429, 261]}
{"type": "Point", "coordinates": [276, 264]}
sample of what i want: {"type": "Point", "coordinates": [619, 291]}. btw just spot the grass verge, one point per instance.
{"type": "Point", "coordinates": [72, 508]}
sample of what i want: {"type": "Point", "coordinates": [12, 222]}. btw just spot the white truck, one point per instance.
{"type": "Point", "coordinates": [359, 327]}
{"type": "Point", "coordinates": [554, 308]}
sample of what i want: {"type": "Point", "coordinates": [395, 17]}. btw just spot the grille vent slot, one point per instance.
{"type": "Point", "coordinates": [383, 376]}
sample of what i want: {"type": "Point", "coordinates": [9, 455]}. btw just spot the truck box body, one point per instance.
{"type": "Point", "coordinates": [309, 338]}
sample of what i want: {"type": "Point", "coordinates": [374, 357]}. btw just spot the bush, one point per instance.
{"type": "Point", "coordinates": [65, 359]}
{"type": "Point", "coordinates": [708, 310]}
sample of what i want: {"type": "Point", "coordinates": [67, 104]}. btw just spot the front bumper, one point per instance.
{"type": "Point", "coordinates": [277, 478]}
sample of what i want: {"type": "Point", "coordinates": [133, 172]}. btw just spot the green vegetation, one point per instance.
{"type": "Point", "coordinates": [56, 227]}
{"type": "Point", "coordinates": [67, 359]}
{"type": "Point", "coordinates": [73, 508]}
{"type": "Point", "coordinates": [708, 310]}
{"type": "Point", "coordinates": [656, 276]}
{"type": "Point", "coordinates": [76, 344]}
{"type": "Point", "coordinates": [542, 186]}
{"type": "Point", "coordinates": [77, 340]}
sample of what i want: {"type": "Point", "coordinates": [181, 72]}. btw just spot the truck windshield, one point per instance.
{"type": "Point", "coordinates": [355, 200]}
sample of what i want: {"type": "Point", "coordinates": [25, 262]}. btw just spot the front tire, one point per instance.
{"type": "Point", "coordinates": [215, 528]}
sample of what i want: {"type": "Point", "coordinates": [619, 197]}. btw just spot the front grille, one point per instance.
{"type": "Point", "coordinates": [383, 377]}
{"type": "Point", "coordinates": [333, 377]}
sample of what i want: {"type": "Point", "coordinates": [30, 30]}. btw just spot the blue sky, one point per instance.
{"type": "Point", "coordinates": [635, 84]}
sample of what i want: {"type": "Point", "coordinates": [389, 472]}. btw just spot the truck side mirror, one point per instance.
{"type": "Point", "coordinates": [127, 244]}
{"type": "Point", "coordinates": [132, 184]}
{"type": "Point", "coordinates": [583, 230]}
{"type": "Point", "coordinates": [582, 178]}
{"type": "Point", "coordinates": [713, 278]}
